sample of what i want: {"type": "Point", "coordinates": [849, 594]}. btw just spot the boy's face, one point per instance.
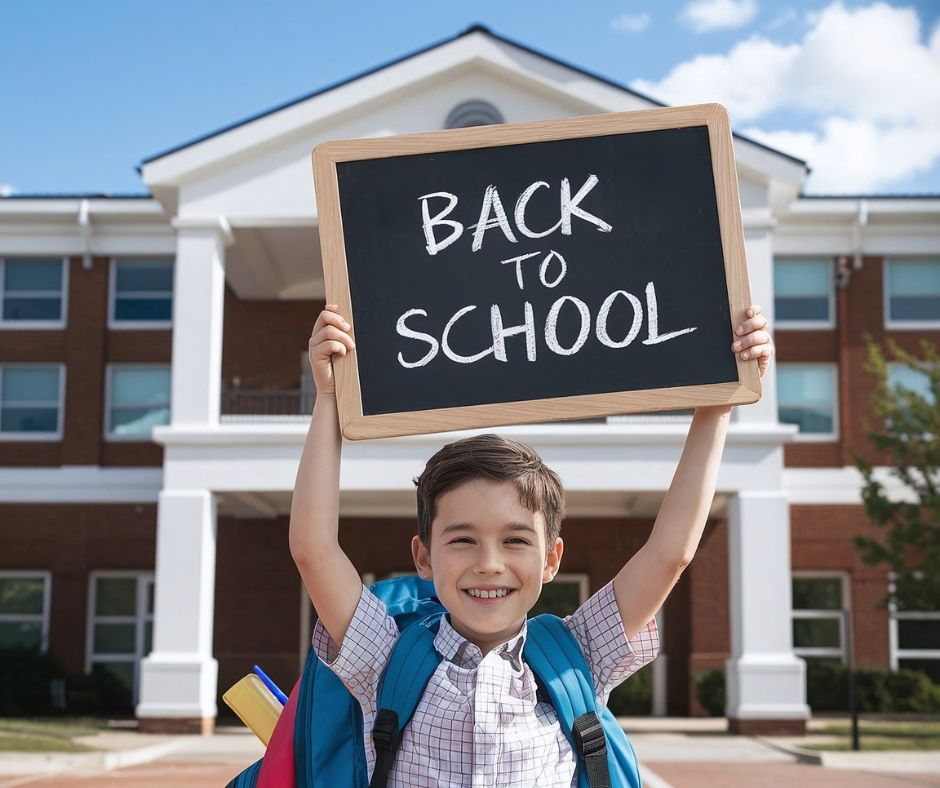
{"type": "Point", "coordinates": [488, 559]}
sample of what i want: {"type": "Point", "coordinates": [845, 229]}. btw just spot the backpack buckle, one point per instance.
{"type": "Point", "coordinates": [589, 734]}
{"type": "Point", "coordinates": [385, 729]}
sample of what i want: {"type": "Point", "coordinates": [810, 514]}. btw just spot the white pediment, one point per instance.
{"type": "Point", "coordinates": [258, 173]}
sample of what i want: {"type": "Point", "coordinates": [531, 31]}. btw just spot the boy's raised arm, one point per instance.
{"type": "Point", "coordinates": [329, 576]}
{"type": "Point", "coordinates": [645, 581]}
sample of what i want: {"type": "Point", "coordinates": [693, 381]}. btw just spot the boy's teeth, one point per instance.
{"type": "Point", "coordinates": [483, 594]}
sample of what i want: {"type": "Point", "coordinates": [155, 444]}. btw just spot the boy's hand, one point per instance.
{"type": "Point", "coordinates": [752, 339]}
{"type": "Point", "coordinates": [329, 336]}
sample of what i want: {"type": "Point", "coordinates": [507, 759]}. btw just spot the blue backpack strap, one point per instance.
{"type": "Point", "coordinates": [555, 658]}
{"type": "Point", "coordinates": [410, 666]}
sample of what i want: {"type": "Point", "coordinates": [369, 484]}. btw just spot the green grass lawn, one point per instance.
{"type": "Point", "coordinates": [877, 735]}
{"type": "Point", "coordinates": [47, 734]}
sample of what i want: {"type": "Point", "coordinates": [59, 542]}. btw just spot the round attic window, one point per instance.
{"type": "Point", "coordinates": [473, 113]}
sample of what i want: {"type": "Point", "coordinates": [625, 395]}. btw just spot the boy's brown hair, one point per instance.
{"type": "Point", "coordinates": [499, 459]}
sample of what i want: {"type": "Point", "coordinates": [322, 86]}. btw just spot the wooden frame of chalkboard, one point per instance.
{"type": "Point", "coordinates": [738, 384]}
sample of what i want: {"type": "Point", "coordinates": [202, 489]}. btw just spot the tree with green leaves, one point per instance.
{"type": "Point", "coordinates": [909, 439]}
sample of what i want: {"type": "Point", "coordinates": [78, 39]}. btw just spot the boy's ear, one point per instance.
{"type": "Point", "coordinates": [553, 561]}
{"type": "Point", "coordinates": [422, 558]}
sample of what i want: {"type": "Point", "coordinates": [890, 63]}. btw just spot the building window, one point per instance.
{"type": "Point", "coordinates": [137, 400]}
{"type": "Point", "coordinates": [818, 602]}
{"type": "Point", "coordinates": [120, 626]}
{"type": "Point", "coordinates": [565, 594]}
{"type": "Point", "coordinates": [32, 292]}
{"type": "Point", "coordinates": [806, 396]}
{"type": "Point", "coordinates": [912, 293]}
{"type": "Point", "coordinates": [473, 113]}
{"type": "Point", "coordinates": [24, 610]}
{"type": "Point", "coordinates": [900, 374]}
{"type": "Point", "coordinates": [804, 293]}
{"type": "Point", "coordinates": [141, 293]}
{"type": "Point", "coordinates": [31, 401]}
{"type": "Point", "coordinates": [914, 638]}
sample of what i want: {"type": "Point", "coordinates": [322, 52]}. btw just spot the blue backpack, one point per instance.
{"type": "Point", "coordinates": [328, 748]}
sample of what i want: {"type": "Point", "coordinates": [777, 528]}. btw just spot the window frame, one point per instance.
{"type": "Point", "coordinates": [136, 325]}
{"type": "Point", "coordinates": [895, 653]}
{"type": "Point", "coordinates": [845, 584]}
{"type": "Point", "coordinates": [107, 434]}
{"type": "Point", "coordinates": [46, 576]}
{"type": "Point", "coordinates": [38, 437]}
{"type": "Point", "coordinates": [36, 325]}
{"type": "Point", "coordinates": [809, 325]}
{"type": "Point", "coordinates": [816, 437]}
{"type": "Point", "coordinates": [903, 325]}
{"type": "Point", "coordinates": [139, 619]}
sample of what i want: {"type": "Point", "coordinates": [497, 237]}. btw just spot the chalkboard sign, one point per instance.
{"type": "Point", "coordinates": [535, 272]}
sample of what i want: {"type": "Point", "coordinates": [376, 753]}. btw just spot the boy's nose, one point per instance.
{"type": "Point", "coordinates": [489, 561]}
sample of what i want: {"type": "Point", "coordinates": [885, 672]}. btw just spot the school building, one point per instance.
{"type": "Point", "coordinates": [155, 397]}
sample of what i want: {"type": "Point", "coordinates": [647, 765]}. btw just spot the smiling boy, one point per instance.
{"type": "Point", "coordinates": [488, 536]}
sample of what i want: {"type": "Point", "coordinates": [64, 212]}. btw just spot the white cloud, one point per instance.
{"type": "Point", "coordinates": [707, 15]}
{"type": "Point", "coordinates": [6, 189]}
{"type": "Point", "coordinates": [863, 75]}
{"type": "Point", "coordinates": [631, 23]}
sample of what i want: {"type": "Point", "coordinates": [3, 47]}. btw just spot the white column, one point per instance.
{"type": "Point", "coordinates": [198, 297]}
{"type": "Point", "coordinates": [760, 271]}
{"type": "Point", "coordinates": [765, 681]}
{"type": "Point", "coordinates": [179, 678]}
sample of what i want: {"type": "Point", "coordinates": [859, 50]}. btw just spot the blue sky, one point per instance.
{"type": "Point", "coordinates": [90, 88]}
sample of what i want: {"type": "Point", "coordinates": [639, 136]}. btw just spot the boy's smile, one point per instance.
{"type": "Point", "coordinates": [487, 558]}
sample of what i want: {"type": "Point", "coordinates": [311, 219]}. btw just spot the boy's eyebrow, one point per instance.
{"type": "Point", "coordinates": [470, 527]}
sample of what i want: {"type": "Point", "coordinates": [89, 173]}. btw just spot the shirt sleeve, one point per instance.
{"type": "Point", "coordinates": [359, 662]}
{"type": "Point", "coordinates": [612, 658]}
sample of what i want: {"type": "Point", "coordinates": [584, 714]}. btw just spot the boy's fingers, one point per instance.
{"type": "Point", "coordinates": [331, 347]}
{"type": "Point", "coordinates": [754, 338]}
{"type": "Point", "coordinates": [327, 318]}
{"type": "Point", "coordinates": [757, 351]}
{"type": "Point", "coordinates": [753, 324]}
{"type": "Point", "coordinates": [333, 333]}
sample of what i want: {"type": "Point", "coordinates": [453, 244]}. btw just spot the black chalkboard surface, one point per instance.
{"type": "Point", "coordinates": [535, 272]}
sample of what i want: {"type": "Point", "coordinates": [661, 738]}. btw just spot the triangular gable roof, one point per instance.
{"type": "Point", "coordinates": [784, 159]}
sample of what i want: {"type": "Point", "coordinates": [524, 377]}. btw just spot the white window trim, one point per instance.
{"type": "Point", "coordinates": [38, 325]}
{"type": "Point", "coordinates": [134, 325]}
{"type": "Point", "coordinates": [818, 437]}
{"type": "Point", "coordinates": [895, 652]}
{"type": "Point", "coordinates": [107, 435]}
{"type": "Point", "coordinates": [845, 583]}
{"type": "Point", "coordinates": [902, 325]}
{"type": "Point", "coordinates": [582, 579]}
{"type": "Point", "coordinates": [46, 577]}
{"type": "Point", "coordinates": [803, 325]}
{"type": "Point", "coordinates": [38, 437]}
{"type": "Point", "coordinates": [140, 619]}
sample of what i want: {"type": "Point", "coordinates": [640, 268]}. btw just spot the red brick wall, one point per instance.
{"type": "Point", "coordinates": [85, 346]}
{"type": "Point", "coordinates": [263, 340]}
{"type": "Point", "coordinates": [821, 538]}
{"type": "Point", "coordinates": [859, 312]}
{"type": "Point", "coordinates": [71, 541]}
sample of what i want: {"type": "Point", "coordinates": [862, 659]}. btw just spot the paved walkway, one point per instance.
{"type": "Point", "coordinates": [674, 753]}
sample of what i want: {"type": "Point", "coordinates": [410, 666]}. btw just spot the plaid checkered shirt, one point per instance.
{"type": "Point", "coordinates": [480, 722]}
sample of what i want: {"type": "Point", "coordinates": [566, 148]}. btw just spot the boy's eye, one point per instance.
{"type": "Point", "coordinates": [461, 540]}
{"type": "Point", "coordinates": [517, 540]}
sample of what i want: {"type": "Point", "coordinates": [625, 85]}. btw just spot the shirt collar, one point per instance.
{"type": "Point", "coordinates": [455, 648]}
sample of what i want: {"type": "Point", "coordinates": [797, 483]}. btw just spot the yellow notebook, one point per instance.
{"type": "Point", "coordinates": [255, 706]}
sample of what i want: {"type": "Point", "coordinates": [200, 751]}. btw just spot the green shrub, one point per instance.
{"type": "Point", "coordinates": [710, 688]}
{"type": "Point", "coordinates": [99, 692]}
{"type": "Point", "coordinates": [25, 680]}
{"type": "Point", "coordinates": [633, 698]}
{"type": "Point", "coordinates": [876, 689]}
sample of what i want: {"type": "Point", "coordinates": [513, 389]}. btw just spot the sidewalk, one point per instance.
{"type": "Point", "coordinates": [673, 752]}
